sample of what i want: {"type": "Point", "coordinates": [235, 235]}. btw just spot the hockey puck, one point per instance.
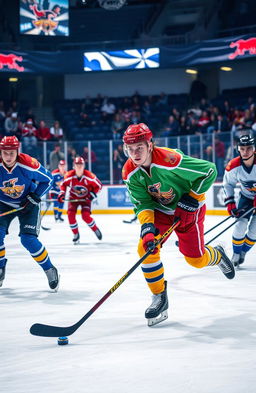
{"type": "Point", "coordinates": [62, 341]}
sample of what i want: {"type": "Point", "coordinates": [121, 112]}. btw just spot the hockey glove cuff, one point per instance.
{"type": "Point", "coordinates": [61, 197]}
{"type": "Point", "coordinates": [30, 201]}
{"type": "Point", "coordinates": [186, 211]}
{"type": "Point", "coordinates": [231, 206]}
{"type": "Point", "coordinates": [148, 233]}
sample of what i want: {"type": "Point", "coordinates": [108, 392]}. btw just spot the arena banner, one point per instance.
{"type": "Point", "coordinates": [118, 197]}
{"type": "Point", "coordinates": [78, 61]}
{"type": "Point", "coordinates": [219, 196]}
{"type": "Point", "coordinates": [122, 59]}
{"type": "Point", "coordinates": [44, 17]}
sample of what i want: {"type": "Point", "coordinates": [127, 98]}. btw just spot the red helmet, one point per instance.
{"type": "Point", "coordinates": [137, 133]}
{"type": "Point", "coordinates": [62, 162]}
{"type": "Point", "coordinates": [9, 143]}
{"type": "Point", "coordinates": [78, 160]}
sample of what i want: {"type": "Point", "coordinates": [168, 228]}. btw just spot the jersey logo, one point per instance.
{"type": "Point", "coordinates": [11, 189]}
{"type": "Point", "coordinates": [249, 185]}
{"type": "Point", "coordinates": [80, 191]}
{"type": "Point", "coordinates": [164, 197]}
{"type": "Point", "coordinates": [172, 158]}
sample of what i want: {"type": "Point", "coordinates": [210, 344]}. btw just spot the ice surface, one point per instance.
{"type": "Point", "coordinates": [208, 344]}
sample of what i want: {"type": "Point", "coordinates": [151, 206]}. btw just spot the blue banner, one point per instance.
{"type": "Point", "coordinates": [121, 60]}
{"type": "Point", "coordinates": [118, 197]}
{"type": "Point", "coordinates": [75, 62]}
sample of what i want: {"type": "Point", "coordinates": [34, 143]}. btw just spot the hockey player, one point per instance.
{"type": "Point", "coordinates": [84, 186]}
{"type": "Point", "coordinates": [23, 181]}
{"type": "Point", "coordinates": [164, 183]}
{"type": "Point", "coordinates": [242, 169]}
{"type": "Point", "coordinates": [58, 177]}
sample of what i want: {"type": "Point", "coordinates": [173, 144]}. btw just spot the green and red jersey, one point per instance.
{"type": "Point", "coordinates": [170, 175]}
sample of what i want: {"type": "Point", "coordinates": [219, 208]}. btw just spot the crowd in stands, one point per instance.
{"type": "Point", "coordinates": [168, 115]}
{"type": "Point", "coordinates": [106, 118]}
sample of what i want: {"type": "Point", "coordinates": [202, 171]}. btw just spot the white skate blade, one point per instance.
{"type": "Point", "coordinates": [162, 317]}
{"type": "Point", "coordinates": [56, 289]}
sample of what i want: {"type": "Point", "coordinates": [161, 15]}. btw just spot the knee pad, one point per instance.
{"type": "Point", "coordinates": [2, 235]}
{"type": "Point", "coordinates": [198, 262]}
{"type": "Point", "coordinates": [30, 242]}
{"type": "Point", "coordinates": [252, 228]}
{"type": "Point", "coordinates": [240, 228]}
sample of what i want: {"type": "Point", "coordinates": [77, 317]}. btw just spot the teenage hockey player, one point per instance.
{"type": "Point", "coordinates": [58, 177]}
{"type": "Point", "coordinates": [164, 183]}
{"type": "Point", "coordinates": [23, 181]}
{"type": "Point", "coordinates": [242, 169]}
{"type": "Point", "coordinates": [84, 186]}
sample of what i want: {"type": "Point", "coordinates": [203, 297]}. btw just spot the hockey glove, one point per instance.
{"type": "Point", "coordinates": [186, 211]}
{"type": "Point", "coordinates": [30, 201]}
{"type": "Point", "coordinates": [147, 234]}
{"type": "Point", "coordinates": [52, 195]}
{"type": "Point", "coordinates": [231, 207]}
{"type": "Point", "coordinates": [92, 196]}
{"type": "Point", "coordinates": [61, 197]}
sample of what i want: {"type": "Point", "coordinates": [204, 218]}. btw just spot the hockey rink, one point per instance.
{"type": "Point", "coordinates": [207, 345]}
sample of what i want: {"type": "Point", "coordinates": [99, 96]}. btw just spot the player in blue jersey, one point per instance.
{"type": "Point", "coordinates": [58, 176]}
{"type": "Point", "coordinates": [23, 181]}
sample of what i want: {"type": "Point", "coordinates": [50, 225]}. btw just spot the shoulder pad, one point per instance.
{"type": "Point", "coordinates": [166, 157]}
{"type": "Point", "coordinates": [234, 163]}
{"type": "Point", "coordinates": [89, 174]}
{"type": "Point", "coordinates": [26, 160]}
{"type": "Point", "coordinates": [128, 167]}
{"type": "Point", "coordinates": [69, 173]}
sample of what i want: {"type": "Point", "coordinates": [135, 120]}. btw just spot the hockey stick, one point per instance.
{"type": "Point", "coordinates": [42, 330]}
{"type": "Point", "coordinates": [130, 221]}
{"type": "Point", "coordinates": [233, 223]}
{"type": "Point", "coordinates": [48, 204]}
{"type": "Point", "coordinates": [12, 211]}
{"type": "Point", "coordinates": [66, 200]}
{"type": "Point", "coordinates": [216, 226]}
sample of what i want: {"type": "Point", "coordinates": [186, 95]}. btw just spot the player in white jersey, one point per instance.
{"type": "Point", "coordinates": [242, 170]}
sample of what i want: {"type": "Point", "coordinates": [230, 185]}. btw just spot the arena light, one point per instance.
{"type": "Point", "coordinates": [13, 79]}
{"type": "Point", "coordinates": [226, 69]}
{"type": "Point", "coordinates": [189, 71]}
{"type": "Point", "coordinates": [111, 5]}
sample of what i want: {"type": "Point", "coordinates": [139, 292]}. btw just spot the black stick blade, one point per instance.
{"type": "Point", "coordinates": [41, 330]}
{"type": "Point", "coordinates": [45, 228]}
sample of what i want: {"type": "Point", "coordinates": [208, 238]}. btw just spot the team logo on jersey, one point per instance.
{"type": "Point", "coordinates": [249, 185]}
{"type": "Point", "coordinates": [172, 158]}
{"type": "Point", "coordinates": [80, 191]}
{"type": "Point", "coordinates": [11, 189]}
{"type": "Point", "coordinates": [163, 197]}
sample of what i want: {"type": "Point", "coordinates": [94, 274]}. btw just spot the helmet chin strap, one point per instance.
{"type": "Point", "coordinates": [246, 159]}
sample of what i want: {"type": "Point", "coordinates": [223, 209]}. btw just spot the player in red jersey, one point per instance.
{"type": "Point", "coordinates": [84, 186]}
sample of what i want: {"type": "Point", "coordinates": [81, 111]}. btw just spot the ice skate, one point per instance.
{"type": "Point", "coordinates": [157, 311]}
{"type": "Point", "coordinates": [225, 265]}
{"type": "Point", "coordinates": [98, 234]}
{"type": "Point", "coordinates": [53, 278]}
{"type": "Point", "coordinates": [242, 257]}
{"type": "Point", "coordinates": [61, 219]}
{"type": "Point", "coordinates": [76, 238]}
{"type": "Point", "coordinates": [235, 259]}
{"type": "Point", "coordinates": [2, 275]}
